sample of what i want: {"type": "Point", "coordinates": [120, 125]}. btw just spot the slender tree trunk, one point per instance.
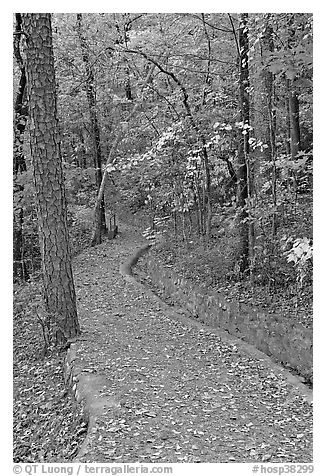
{"type": "Point", "coordinates": [269, 139]}
{"type": "Point", "coordinates": [198, 203]}
{"type": "Point", "coordinates": [293, 97]}
{"type": "Point", "coordinates": [20, 267]}
{"type": "Point", "coordinates": [208, 205]}
{"type": "Point", "coordinates": [288, 121]}
{"type": "Point", "coordinates": [59, 291]}
{"type": "Point", "coordinates": [243, 152]}
{"type": "Point", "coordinates": [83, 163]}
{"type": "Point", "coordinates": [96, 228]}
{"type": "Point", "coordinates": [294, 120]}
{"type": "Point", "coordinates": [21, 110]}
{"type": "Point", "coordinates": [126, 68]}
{"type": "Point", "coordinates": [274, 171]}
{"type": "Point", "coordinates": [20, 125]}
{"type": "Point", "coordinates": [209, 60]}
{"type": "Point", "coordinates": [91, 98]}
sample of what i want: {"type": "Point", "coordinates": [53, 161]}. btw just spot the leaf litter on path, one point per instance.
{"type": "Point", "coordinates": [185, 395]}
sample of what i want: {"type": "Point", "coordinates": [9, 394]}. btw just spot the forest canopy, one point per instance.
{"type": "Point", "coordinates": [202, 123]}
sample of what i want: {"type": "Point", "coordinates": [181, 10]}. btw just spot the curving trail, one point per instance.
{"type": "Point", "coordinates": [157, 389]}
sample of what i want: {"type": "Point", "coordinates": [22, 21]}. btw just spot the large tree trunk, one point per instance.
{"type": "Point", "coordinates": [59, 291]}
{"type": "Point", "coordinates": [243, 152]}
{"type": "Point", "coordinates": [91, 98]}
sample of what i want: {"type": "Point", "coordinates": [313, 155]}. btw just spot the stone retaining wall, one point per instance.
{"type": "Point", "coordinates": [288, 344]}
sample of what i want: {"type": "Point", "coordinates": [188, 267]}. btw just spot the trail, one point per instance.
{"type": "Point", "coordinates": [159, 390]}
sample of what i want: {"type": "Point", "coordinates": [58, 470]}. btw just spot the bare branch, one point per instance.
{"type": "Point", "coordinates": [234, 33]}
{"type": "Point", "coordinates": [225, 30]}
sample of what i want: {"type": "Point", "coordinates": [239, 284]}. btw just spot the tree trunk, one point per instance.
{"type": "Point", "coordinates": [293, 97]}
{"type": "Point", "coordinates": [91, 99]}
{"type": "Point", "coordinates": [20, 125]}
{"type": "Point", "coordinates": [294, 120]}
{"type": "Point", "coordinates": [269, 138]}
{"type": "Point", "coordinates": [20, 267]}
{"type": "Point", "coordinates": [59, 291]}
{"type": "Point", "coordinates": [288, 124]}
{"type": "Point", "coordinates": [243, 153]}
{"type": "Point", "coordinates": [20, 103]}
{"type": "Point", "coordinates": [208, 199]}
{"type": "Point", "coordinates": [110, 159]}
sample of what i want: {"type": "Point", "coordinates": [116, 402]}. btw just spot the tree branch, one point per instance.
{"type": "Point", "coordinates": [175, 79]}
{"type": "Point", "coordinates": [234, 33]}
{"type": "Point", "coordinates": [225, 30]}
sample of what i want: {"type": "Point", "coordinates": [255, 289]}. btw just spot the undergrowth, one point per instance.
{"type": "Point", "coordinates": [48, 425]}
{"type": "Point", "coordinates": [271, 285]}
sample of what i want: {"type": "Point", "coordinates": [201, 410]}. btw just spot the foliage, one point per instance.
{"type": "Point", "coordinates": [188, 108]}
{"type": "Point", "coordinates": [300, 255]}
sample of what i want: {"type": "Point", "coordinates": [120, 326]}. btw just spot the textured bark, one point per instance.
{"type": "Point", "coordinates": [243, 152]}
{"type": "Point", "coordinates": [59, 291]}
{"type": "Point", "coordinates": [91, 99]}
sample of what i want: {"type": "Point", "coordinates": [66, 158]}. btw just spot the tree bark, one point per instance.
{"type": "Point", "coordinates": [58, 284]}
{"type": "Point", "coordinates": [91, 99]}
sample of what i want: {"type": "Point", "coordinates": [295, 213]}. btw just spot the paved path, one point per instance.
{"type": "Point", "coordinates": [158, 390]}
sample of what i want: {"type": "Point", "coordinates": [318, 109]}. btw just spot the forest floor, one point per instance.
{"type": "Point", "coordinates": [182, 393]}
{"type": "Point", "coordinates": [48, 425]}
